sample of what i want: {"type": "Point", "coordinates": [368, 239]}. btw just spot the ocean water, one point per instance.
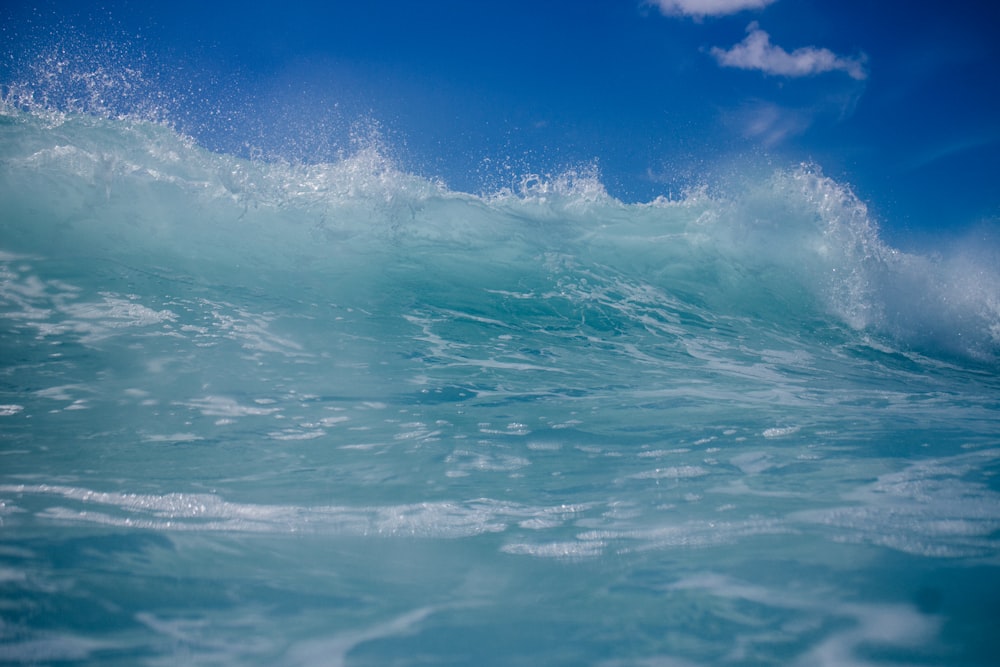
{"type": "Point", "coordinates": [269, 413]}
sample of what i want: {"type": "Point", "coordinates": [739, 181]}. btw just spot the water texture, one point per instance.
{"type": "Point", "coordinates": [259, 412]}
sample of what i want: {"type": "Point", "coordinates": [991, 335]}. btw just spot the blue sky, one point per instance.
{"type": "Point", "coordinates": [899, 98]}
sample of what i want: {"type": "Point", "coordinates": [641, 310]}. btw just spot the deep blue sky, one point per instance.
{"type": "Point", "coordinates": [899, 98]}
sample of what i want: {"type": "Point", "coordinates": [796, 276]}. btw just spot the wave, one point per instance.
{"type": "Point", "coordinates": [788, 248]}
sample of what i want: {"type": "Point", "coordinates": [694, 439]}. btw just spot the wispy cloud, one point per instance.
{"type": "Point", "coordinates": [703, 8]}
{"type": "Point", "coordinates": [942, 151]}
{"type": "Point", "coordinates": [769, 123]}
{"type": "Point", "coordinates": [757, 52]}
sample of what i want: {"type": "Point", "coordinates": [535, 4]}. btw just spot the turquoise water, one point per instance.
{"type": "Point", "coordinates": [256, 413]}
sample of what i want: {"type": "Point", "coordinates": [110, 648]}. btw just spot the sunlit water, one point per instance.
{"type": "Point", "coordinates": [258, 413]}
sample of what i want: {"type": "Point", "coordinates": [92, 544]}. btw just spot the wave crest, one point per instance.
{"type": "Point", "coordinates": [789, 248]}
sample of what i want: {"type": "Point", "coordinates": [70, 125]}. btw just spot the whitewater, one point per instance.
{"type": "Point", "coordinates": [266, 412]}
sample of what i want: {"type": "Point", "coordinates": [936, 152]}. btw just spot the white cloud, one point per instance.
{"type": "Point", "coordinates": [702, 8]}
{"type": "Point", "coordinates": [757, 52]}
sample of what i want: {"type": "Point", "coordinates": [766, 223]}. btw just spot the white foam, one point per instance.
{"type": "Point", "coordinates": [62, 392]}
{"type": "Point", "coordinates": [926, 509]}
{"type": "Point", "coordinates": [333, 651]}
{"type": "Point", "coordinates": [252, 331]}
{"type": "Point", "coordinates": [898, 626]}
{"type": "Point", "coordinates": [174, 437]}
{"type": "Point", "coordinates": [332, 421]}
{"type": "Point", "coordinates": [223, 406]}
{"type": "Point", "coordinates": [560, 550]}
{"type": "Point", "coordinates": [780, 431]}
{"type": "Point", "coordinates": [659, 453]}
{"type": "Point", "coordinates": [208, 512]}
{"type": "Point", "coordinates": [466, 461]}
{"type": "Point", "coordinates": [673, 472]}
{"type": "Point", "coordinates": [297, 434]}
{"type": "Point", "coordinates": [753, 463]}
